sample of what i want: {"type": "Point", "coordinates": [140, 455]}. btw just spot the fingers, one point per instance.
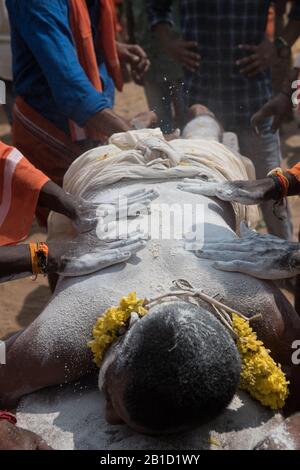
{"type": "Point", "coordinates": [190, 64]}
{"type": "Point", "coordinates": [92, 262]}
{"type": "Point", "coordinates": [238, 246]}
{"type": "Point", "coordinates": [217, 255]}
{"type": "Point", "coordinates": [257, 270]}
{"type": "Point", "coordinates": [247, 60]}
{"type": "Point", "coordinates": [126, 242]}
{"type": "Point", "coordinates": [110, 259]}
{"type": "Point", "coordinates": [189, 59]}
{"type": "Point", "coordinates": [139, 60]}
{"type": "Point", "coordinates": [137, 246]}
{"type": "Point", "coordinates": [202, 188]}
{"type": "Point", "coordinates": [243, 267]}
{"type": "Point", "coordinates": [128, 205]}
{"type": "Point", "coordinates": [190, 45]}
{"type": "Point", "coordinates": [137, 52]}
{"type": "Point", "coordinates": [252, 69]}
{"type": "Point", "coordinates": [248, 47]}
{"type": "Point", "coordinates": [136, 196]}
{"type": "Point", "coordinates": [258, 118]}
{"type": "Point", "coordinates": [147, 195]}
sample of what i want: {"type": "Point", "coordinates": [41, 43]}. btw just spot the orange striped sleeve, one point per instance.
{"type": "Point", "coordinates": [20, 185]}
{"type": "Point", "coordinates": [295, 170]}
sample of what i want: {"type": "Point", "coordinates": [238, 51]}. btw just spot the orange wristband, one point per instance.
{"type": "Point", "coordinates": [284, 182]}
{"type": "Point", "coordinates": [39, 258]}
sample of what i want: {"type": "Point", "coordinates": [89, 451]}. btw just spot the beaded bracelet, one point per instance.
{"type": "Point", "coordinates": [281, 181]}
{"type": "Point", "coordinates": [39, 258]}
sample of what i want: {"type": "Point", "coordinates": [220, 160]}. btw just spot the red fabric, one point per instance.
{"type": "Point", "coordinates": [48, 148]}
{"type": "Point", "coordinates": [83, 37]}
{"type": "Point", "coordinates": [8, 417]}
{"type": "Point", "coordinates": [20, 185]}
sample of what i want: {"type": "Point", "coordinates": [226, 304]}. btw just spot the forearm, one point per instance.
{"type": "Point", "coordinates": [107, 122]}
{"type": "Point", "coordinates": [15, 261]}
{"type": "Point", "coordinates": [53, 197]}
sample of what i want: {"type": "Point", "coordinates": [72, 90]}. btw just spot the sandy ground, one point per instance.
{"type": "Point", "coordinates": [22, 301]}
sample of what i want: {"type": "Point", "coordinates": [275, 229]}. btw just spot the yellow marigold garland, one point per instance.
{"type": "Point", "coordinates": [260, 375]}
{"type": "Point", "coordinates": [107, 327]}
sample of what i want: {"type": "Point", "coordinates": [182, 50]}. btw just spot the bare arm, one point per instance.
{"type": "Point", "coordinates": [88, 253]}
{"type": "Point", "coordinates": [107, 122]}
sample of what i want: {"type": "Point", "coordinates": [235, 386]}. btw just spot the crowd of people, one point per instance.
{"type": "Point", "coordinates": [61, 62]}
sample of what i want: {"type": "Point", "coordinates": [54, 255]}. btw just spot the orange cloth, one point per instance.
{"type": "Point", "coordinates": [270, 30]}
{"type": "Point", "coordinates": [83, 37]}
{"type": "Point", "coordinates": [46, 147]}
{"type": "Point", "coordinates": [295, 171]}
{"type": "Point", "coordinates": [20, 185]}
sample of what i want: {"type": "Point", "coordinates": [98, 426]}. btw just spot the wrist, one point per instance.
{"type": "Point", "coordinates": [54, 260]}
{"type": "Point", "coordinates": [53, 197]}
{"type": "Point", "coordinates": [281, 184]}
{"type": "Point", "coordinates": [272, 188]}
{"type": "Point", "coordinates": [107, 122]}
{"type": "Point", "coordinates": [68, 205]}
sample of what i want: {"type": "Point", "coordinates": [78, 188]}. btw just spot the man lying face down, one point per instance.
{"type": "Point", "coordinates": [174, 369]}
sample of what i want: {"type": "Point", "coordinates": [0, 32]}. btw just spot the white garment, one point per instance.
{"type": "Point", "coordinates": [5, 49]}
{"type": "Point", "coordinates": [148, 156]}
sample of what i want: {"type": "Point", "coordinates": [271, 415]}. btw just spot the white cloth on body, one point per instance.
{"type": "Point", "coordinates": [146, 155]}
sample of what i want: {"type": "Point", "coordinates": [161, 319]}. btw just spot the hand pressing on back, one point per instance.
{"type": "Point", "coordinates": [244, 192]}
{"type": "Point", "coordinates": [93, 250]}
{"type": "Point", "coordinates": [87, 254]}
{"type": "Point", "coordinates": [87, 214]}
{"type": "Point", "coordinates": [260, 256]}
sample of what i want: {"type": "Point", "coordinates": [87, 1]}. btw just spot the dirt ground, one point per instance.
{"type": "Point", "coordinates": [21, 301]}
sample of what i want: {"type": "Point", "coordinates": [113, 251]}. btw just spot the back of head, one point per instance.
{"type": "Point", "coordinates": [204, 127]}
{"type": "Point", "coordinates": [178, 367]}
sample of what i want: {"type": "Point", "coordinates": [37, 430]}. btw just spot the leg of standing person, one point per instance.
{"type": "Point", "coordinates": [179, 104]}
{"type": "Point", "coordinates": [159, 100]}
{"type": "Point", "coordinates": [265, 153]}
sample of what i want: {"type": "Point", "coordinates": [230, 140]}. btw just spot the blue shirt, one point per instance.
{"type": "Point", "coordinates": [47, 72]}
{"type": "Point", "coordinates": [219, 26]}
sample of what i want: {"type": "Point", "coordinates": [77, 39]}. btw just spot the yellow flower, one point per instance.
{"type": "Point", "coordinates": [107, 327]}
{"type": "Point", "coordinates": [260, 375]}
